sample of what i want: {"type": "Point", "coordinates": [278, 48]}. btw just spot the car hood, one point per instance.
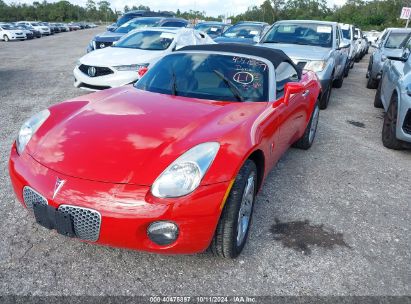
{"type": "Point", "coordinates": [15, 31]}
{"type": "Point", "coordinates": [125, 135]}
{"type": "Point", "coordinates": [112, 56]}
{"type": "Point", "coordinates": [392, 52]}
{"type": "Point", "coordinates": [108, 37]}
{"type": "Point", "coordinates": [296, 51]}
{"type": "Point", "coordinates": [234, 40]}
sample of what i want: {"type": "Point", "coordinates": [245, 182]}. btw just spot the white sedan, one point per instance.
{"type": "Point", "coordinates": [9, 32]}
{"type": "Point", "coordinates": [125, 61]}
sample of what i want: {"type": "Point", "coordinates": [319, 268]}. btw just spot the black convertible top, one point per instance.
{"type": "Point", "coordinates": [274, 55]}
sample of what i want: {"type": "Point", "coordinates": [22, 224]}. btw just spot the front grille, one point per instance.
{"type": "Point", "coordinates": [407, 122]}
{"type": "Point", "coordinates": [30, 196]}
{"type": "Point", "coordinates": [301, 64]}
{"type": "Point", "coordinates": [100, 71]}
{"type": "Point", "coordinates": [93, 87]}
{"type": "Point", "coordinates": [86, 222]}
{"type": "Point", "coordinates": [102, 45]}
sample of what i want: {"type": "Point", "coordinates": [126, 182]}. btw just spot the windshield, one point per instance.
{"type": "Point", "coordinates": [208, 76]}
{"type": "Point", "coordinates": [301, 33]}
{"type": "Point", "coordinates": [6, 27]}
{"type": "Point", "coordinates": [136, 24]}
{"type": "Point", "coordinates": [243, 31]}
{"type": "Point", "coordinates": [210, 29]}
{"type": "Point", "coordinates": [395, 39]}
{"type": "Point", "coordinates": [147, 40]}
{"type": "Point", "coordinates": [34, 24]}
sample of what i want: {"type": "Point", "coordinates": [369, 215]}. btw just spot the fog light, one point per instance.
{"type": "Point", "coordinates": [162, 233]}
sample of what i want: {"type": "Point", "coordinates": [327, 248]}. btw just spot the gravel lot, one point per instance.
{"type": "Point", "coordinates": [333, 220]}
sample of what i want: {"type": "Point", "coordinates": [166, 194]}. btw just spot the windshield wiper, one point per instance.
{"type": "Point", "coordinates": [271, 41]}
{"type": "Point", "coordinates": [174, 85]}
{"type": "Point", "coordinates": [230, 85]}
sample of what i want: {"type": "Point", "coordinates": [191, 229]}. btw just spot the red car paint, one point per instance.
{"type": "Point", "coordinates": [110, 146]}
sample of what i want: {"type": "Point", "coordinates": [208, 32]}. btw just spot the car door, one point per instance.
{"type": "Point", "coordinates": [294, 115]}
{"type": "Point", "coordinates": [394, 72]}
{"type": "Point", "coordinates": [338, 53]}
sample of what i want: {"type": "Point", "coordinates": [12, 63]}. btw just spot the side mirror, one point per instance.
{"type": "Point", "coordinates": [403, 57]}
{"type": "Point", "coordinates": [292, 88]}
{"type": "Point", "coordinates": [355, 37]}
{"type": "Point", "coordinates": [374, 44]}
{"type": "Point", "coordinates": [343, 45]}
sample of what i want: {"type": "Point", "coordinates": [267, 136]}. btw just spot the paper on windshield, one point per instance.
{"type": "Point", "coordinates": [214, 29]}
{"type": "Point", "coordinates": [167, 35]}
{"type": "Point", "coordinates": [253, 32]}
{"type": "Point", "coordinates": [324, 29]}
{"type": "Point", "coordinates": [288, 29]}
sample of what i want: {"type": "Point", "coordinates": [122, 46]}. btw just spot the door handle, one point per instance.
{"type": "Point", "coordinates": [305, 93]}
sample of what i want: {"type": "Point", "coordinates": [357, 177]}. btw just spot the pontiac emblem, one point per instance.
{"type": "Point", "coordinates": [59, 184]}
{"type": "Point", "coordinates": [91, 71]}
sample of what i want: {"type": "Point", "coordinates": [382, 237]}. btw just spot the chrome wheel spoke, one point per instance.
{"type": "Point", "coordinates": [244, 214]}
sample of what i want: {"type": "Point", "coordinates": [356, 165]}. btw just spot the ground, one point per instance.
{"type": "Point", "coordinates": [333, 220]}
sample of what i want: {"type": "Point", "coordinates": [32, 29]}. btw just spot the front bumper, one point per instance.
{"type": "Point", "coordinates": [126, 210]}
{"type": "Point", "coordinates": [117, 79]}
{"type": "Point", "coordinates": [18, 37]}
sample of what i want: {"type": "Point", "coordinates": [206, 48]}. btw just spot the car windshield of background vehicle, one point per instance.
{"type": "Point", "coordinates": [208, 76]}
{"type": "Point", "coordinates": [395, 40]}
{"type": "Point", "coordinates": [6, 27]}
{"type": "Point", "coordinates": [147, 40]}
{"type": "Point", "coordinates": [346, 34]}
{"type": "Point", "coordinates": [136, 24]}
{"type": "Point", "coordinates": [301, 33]}
{"type": "Point", "coordinates": [243, 31]}
{"type": "Point", "coordinates": [210, 29]}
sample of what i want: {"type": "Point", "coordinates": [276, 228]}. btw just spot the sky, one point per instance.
{"type": "Point", "coordinates": [211, 7]}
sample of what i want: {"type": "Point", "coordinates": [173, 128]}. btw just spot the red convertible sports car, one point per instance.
{"type": "Point", "coordinates": [173, 163]}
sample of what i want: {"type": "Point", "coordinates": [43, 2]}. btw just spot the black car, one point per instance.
{"type": "Point", "coordinates": [136, 14]}
{"type": "Point", "coordinates": [107, 38]}
{"type": "Point", "coordinates": [212, 28]}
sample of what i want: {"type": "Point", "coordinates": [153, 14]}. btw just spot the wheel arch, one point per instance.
{"type": "Point", "coordinates": [258, 157]}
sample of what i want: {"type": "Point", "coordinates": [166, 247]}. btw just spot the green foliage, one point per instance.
{"type": "Point", "coordinates": [57, 11]}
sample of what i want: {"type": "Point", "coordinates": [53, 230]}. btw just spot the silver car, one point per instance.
{"type": "Point", "coordinates": [389, 44]}
{"type": "Point", "coordinates": [313, 45]}
{"type": "Point", "coordinates": [394, 95]}
{"type": "Point", "coordinates": [348, 32]}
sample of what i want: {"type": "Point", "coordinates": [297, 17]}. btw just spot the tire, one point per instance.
{"type": "Point", "coordinates": [389, 128]}
{"type": "Point", "coordinates": [228, 242]}
{"type": "Point", "coordinates": [325, 98]}
{"type": "Point", "coordinates": [306, 141]}
{"type": "Point", "coordinates": [338, 82]}
{"type": "Point", "coordinates": [372, 83]}
{"type": "Point", "coordinates": [377, 98]}
{"type": "Point", "coordinates": [6, 38]}
{"type": "Point", "coordinates": [347, 70]}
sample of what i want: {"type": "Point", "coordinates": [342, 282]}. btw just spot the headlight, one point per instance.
{"type": "Point", "coordinates": [184, 175]}
{"type": "Point", "coordinates": [383, 58]}
{"type": "Point", "coordinates": [316, 65]}
{"type": "Point", "coordinates": [131, 67]}
{"type": "Point", "coordinates": [78, 63]}
{"type": "Point", "coordinates": [30, 127]}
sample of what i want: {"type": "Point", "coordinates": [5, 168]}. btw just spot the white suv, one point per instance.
{"type": "Point", "coordinates": [9, 32]}
{"type": "Point", "coordinates": [44, 30]}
